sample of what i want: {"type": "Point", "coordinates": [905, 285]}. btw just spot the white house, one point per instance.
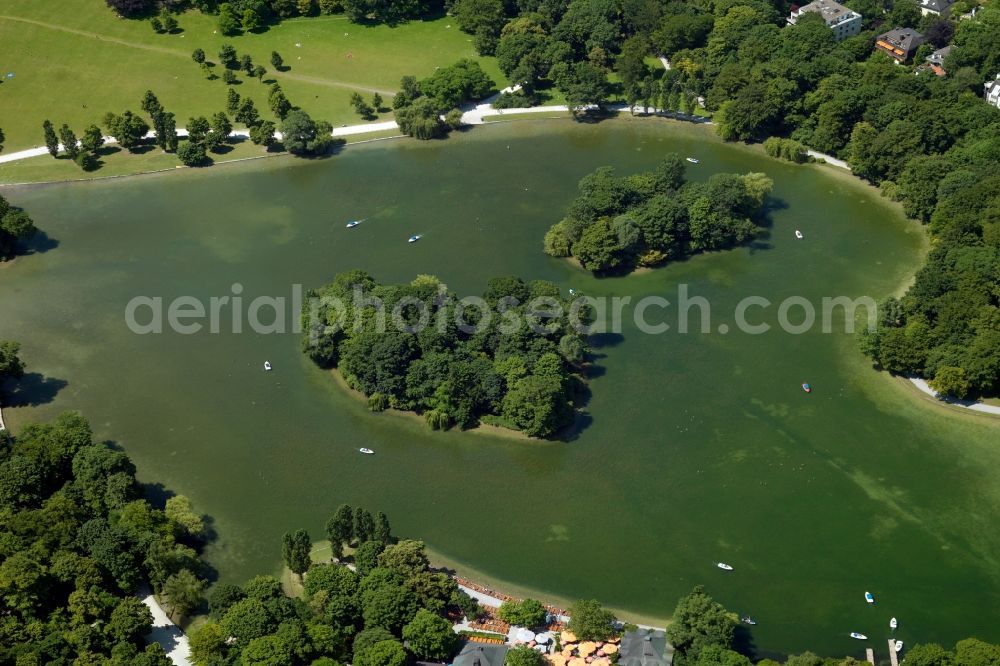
{"type": "Point", "coordinates": [936, 7]}
{"type": "Point", "coordinates": [992, 91]}
{"type": "Point", "coordinates": [843, 21]}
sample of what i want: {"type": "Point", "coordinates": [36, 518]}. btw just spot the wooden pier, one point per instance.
{"type": "Point", "coordinates": [892, 653]}
{"type": "Point", "coordinates": [870, 656]}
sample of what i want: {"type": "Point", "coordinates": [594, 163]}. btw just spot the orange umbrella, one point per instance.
{"type": "Point", "coordinates": [557, 660]}
{"type": "Point", "coordinates": [610, 648]}
{"type": "Point", "coordinates": [587, 648]}
{"type": "Point", "coordinates": [567, 637]}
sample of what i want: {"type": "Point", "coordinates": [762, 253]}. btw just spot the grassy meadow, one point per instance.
{"type": "Point", "coordinates": [74, 65]}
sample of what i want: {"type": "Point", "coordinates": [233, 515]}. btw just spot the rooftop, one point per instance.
{"type": "Point", "coordinates": [903, 39]}
{"type": "Point", "coordinates": [480, 654]}
{"type": "Point", "coordinates": [832, 12]}
{"type": "Point", "coordinates": [645, 647]}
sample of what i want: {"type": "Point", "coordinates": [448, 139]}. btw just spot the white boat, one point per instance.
{"type": "Point", "coordinates": [354, 223]}
{"type": "Point", "coordinates": [898, 646]}
{"type": "Point", "coordinates": [267, 366]}
{"type": "Point", "coordinates": [860, 637]}
{"type": "Point", "coordinates": [798, 234]}
{"type": "Point", "coordinates": [414, 238]}
{"type": "Point", "coordinates": [748, 620]}
{"type": "Point", "coordinates": [692, 160]}
{"type": "Point", "coordinates": [724, 566]}
{"type": "Point", "coordinates": [869, 597]}
{"type": "Point", "coordinates": [893, 624]}
{"type": "Point", "coordinates": [366, 451]}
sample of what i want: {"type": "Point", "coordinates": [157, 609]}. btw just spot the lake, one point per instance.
{"type": "Point", "coordinates": [696, 448]}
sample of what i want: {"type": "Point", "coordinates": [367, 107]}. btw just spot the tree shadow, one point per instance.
{"type": "Point", "coordinates": [142, 148]}
{"type": "Point", "coordinates": [34, 389]}
{"type": "Point", "coordinates": [40, 243]}
{"type": "Point", "coordinates": [106, 151]}
{"type": "Point", "coordinates": [269, 82]}
{"type": "Point", "coordinates": [223, 149]}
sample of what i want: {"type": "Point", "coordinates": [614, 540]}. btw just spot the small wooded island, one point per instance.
{"type": "Point", "coordinates": [649, 218]}
{"type": "Point", "coordinates": [441, 356]}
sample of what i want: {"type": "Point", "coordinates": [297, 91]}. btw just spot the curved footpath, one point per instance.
{"type": "Point", "coordinates": [474, 116]}
{"type": "Point", "coordinates": [924, 387]}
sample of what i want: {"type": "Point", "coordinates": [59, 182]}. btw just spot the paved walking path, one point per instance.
{"type": "Point", "coordinates": [166, 633]}
{"type": "Point", "coordinates": [829, 159]}
{"type": "Point", "coordinates": [968, 404]}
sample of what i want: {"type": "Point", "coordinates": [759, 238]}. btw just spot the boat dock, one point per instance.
{"type": "Point", "coordinates": [870, 656]}
{"type": "Point", "coordinates": [892, 653]}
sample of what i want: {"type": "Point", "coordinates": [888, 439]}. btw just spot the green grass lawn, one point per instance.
{"type": "Point", "coordinates": [76, 64]}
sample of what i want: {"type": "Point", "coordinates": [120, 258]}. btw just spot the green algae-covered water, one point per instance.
{"type": "Point", "coordinates": [700, 448]}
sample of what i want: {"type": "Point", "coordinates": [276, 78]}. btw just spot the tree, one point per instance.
{"type": "Point", "coordinates": [156, 24]}
{"type": "Point", "coordinates": [251, 20]}
{"type": "Point", "coordinates": [528, 613]}
{"type": "Point", "coordinates": [279, 104]}
{"type": "Point", "coordinates": [383, 653]}
{"type": "Point", "coordinates": [268, 651]}
{"type": "Point", "coordinates": [131, 8]}
{"type": "Point", "coordinates": [92, 139]}
{"type": "Point", "coordinates": [221, 129]}
{"type": "Point", "coordinates": [583, 84]}
{"type": "Point", "coordinates": [248, 619]}
{"type": "Point", "coordinates": [130, 620]}
{"type": "Point", "coordinates": [590, 621]}
{"type": "Point", "coordinates": [228, 23]}
{"type": "Point", "coordinates": [182, 592]}
{"type": "Point", "coordinates": [377, 102]}
{"type": "Point", "coordinates": [258, 72]}
{"type": "Point", "coordinates": [207, 643]}
{"type": "Point", "coordinates": [198, 129]}
{"type": "Point", "coordinates": [277, 61]}
{"type": "Point", "coordinates": [382, 532]}
{"type": "Point", "coordinates": [2, 137]}
{"type": "Point", "coordinates": [389, 606]}
{"type": "Point", "coordinates": [421, 120]}
{"type": "Point", "coordinates": [169, 22]}
{"type": "Point", "coordinates": [302, 136]}
{"type": "Point", "coordinates": [179, 511]}
{"type": "Point", "coordinates": [51, 140]}
{"type": "Point", "coordinates": [69, 142]}
{"type": "Point", "coordinates": [366, 556]}
{"type": "Point", "coordinates": [364, 525]}
{"type": "Point", "coordinates": [128, 129]}
{"type": "Point", "coordinates": [951, 381]}
{"type": "Point", "coordinates": [246, 64]}
{"type": "Point", "coordinates": [11, 365]}
{"type": "Point", "coordinates": [699, 621]}
{"type": "Point", "coordinates": [232, 101]}
{"type": "Point", "coordinates": [295, 549]}
{"type": "Point", "coordinates": [262, 133]}
{"type": "Point", "coordinates": [229, 77]}
{"type": "Point", "coordinates": [340, 529]}
{"type": "Point", "coordinates": [198, 55]}
{"type": "Point", "coordinates": [522, 655]}
{"type": "Point", "coordinates": [227, 55]}
{"type": "Point", "coordinates": [430, 636]}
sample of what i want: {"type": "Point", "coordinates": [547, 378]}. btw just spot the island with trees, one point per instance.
{"type": "Point", "coordinates": [619, 223]}
{"type": "Point", "coordinates": [16, 227]}
{"type": "Point", "coordinates": [457, 369]}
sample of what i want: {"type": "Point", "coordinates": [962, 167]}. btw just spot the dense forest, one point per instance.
{"type": "Point", "coordinates": [523, 377]}
{"type": "Point", "coordinates": [645, 219]}
{"type": "Point", "coordinates": [76, 541]}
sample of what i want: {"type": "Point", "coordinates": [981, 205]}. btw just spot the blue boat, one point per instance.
{"type": "Point", "coordinates": [869, 597]}
{"type": "Point", "coordinates": [806, 387]}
